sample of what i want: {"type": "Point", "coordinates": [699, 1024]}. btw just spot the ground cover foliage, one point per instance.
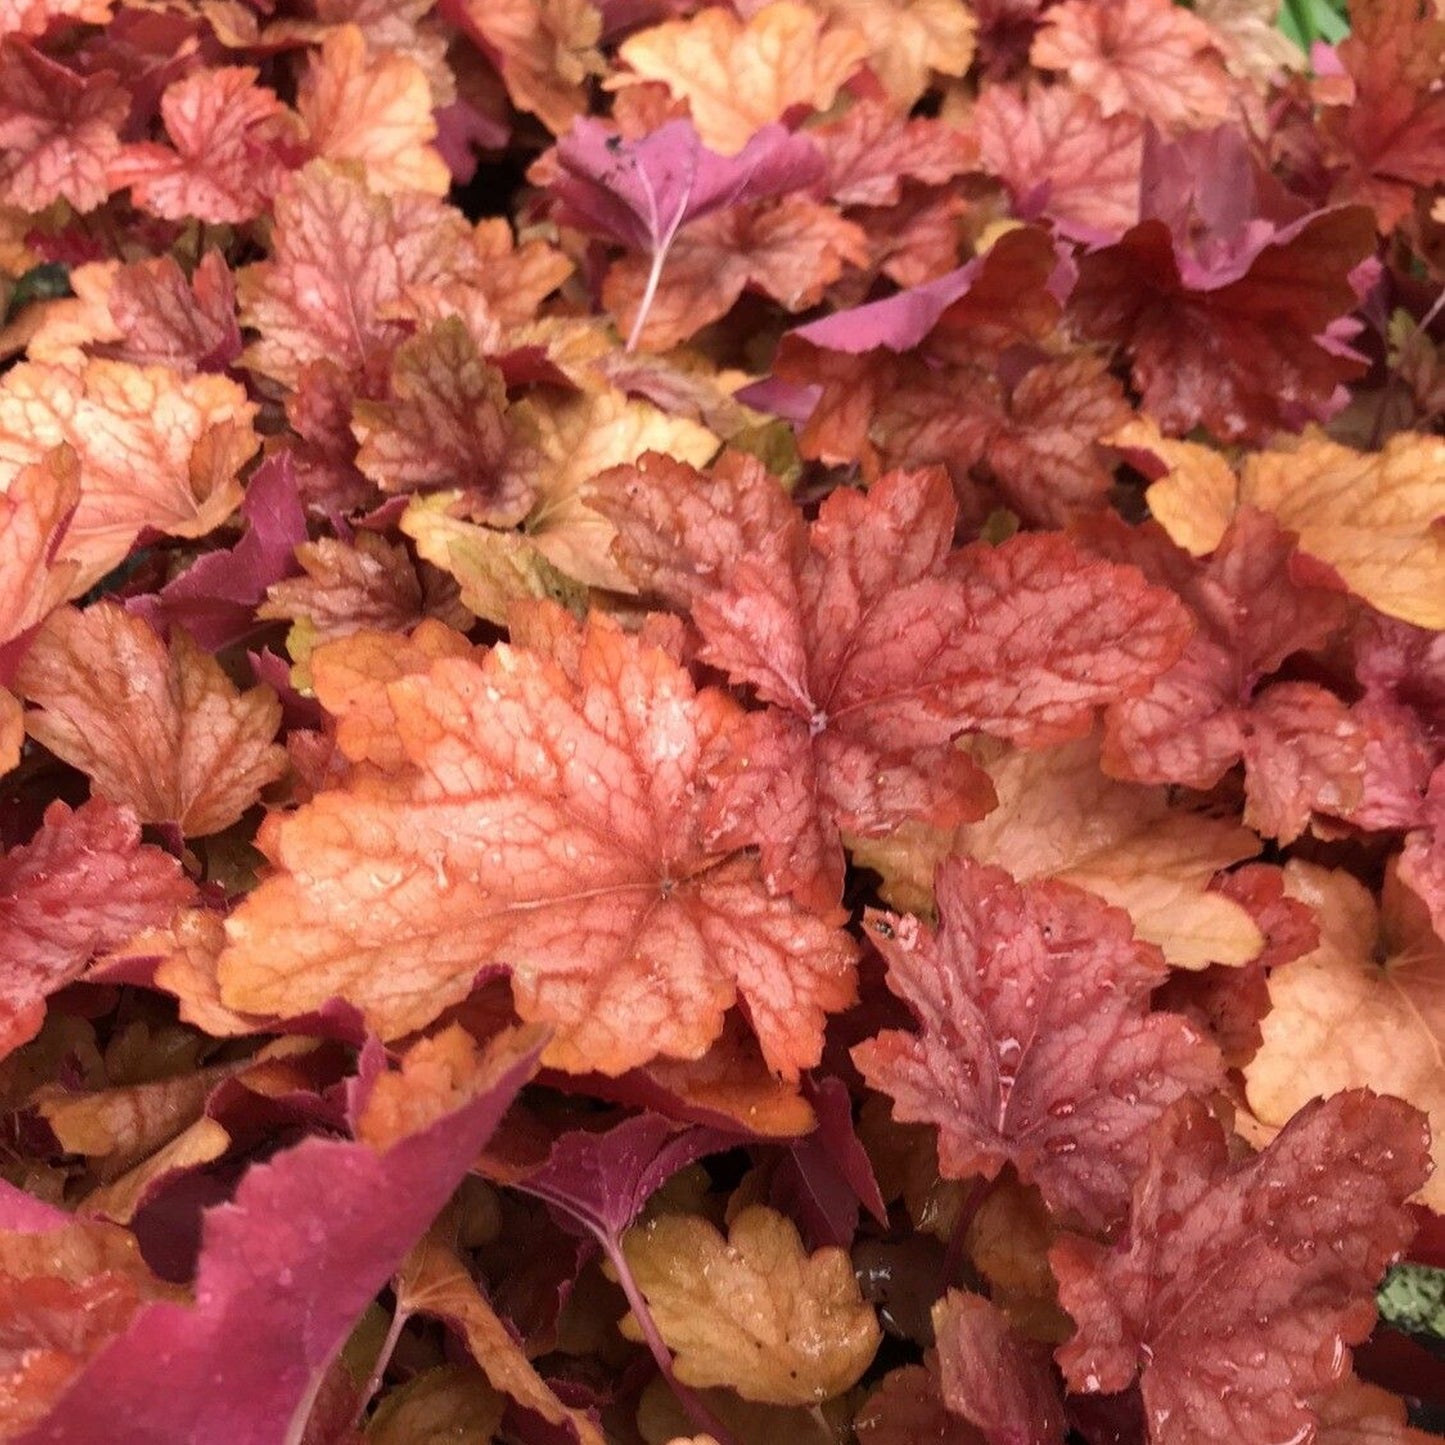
{"type": "Point", "coordinates": [720, 721]}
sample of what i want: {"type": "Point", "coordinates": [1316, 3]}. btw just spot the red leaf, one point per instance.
{"type": "Point", "coordinates": [993, 1377]}
{"type": "Point", "coordinates": [1272, 1266]}
{"type": "Point", "coordinates": [1037, 1045]}
{"type": "Point", "coordinates": [877, 645]}
{"type": "Point", "coordinates": [286, 1269]}
{"type": "Point", "coordinates": [85, 884]}
{"type": "Point", "coordinates": [1258, 600]}
{"type": "Point", "coordinates": [1238, 344]}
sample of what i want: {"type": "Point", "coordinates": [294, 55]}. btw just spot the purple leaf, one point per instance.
{"type": "Point", "coordinates": [286, 1269]}
{"type": "Point", "coordinates": [215, 598]}
{"type": "Point", "coordinates": [826, 1175]}
{"type": "Point", "coordinates": [603, 1180]}
{"type": "Point", "coordinates": [640, 193]}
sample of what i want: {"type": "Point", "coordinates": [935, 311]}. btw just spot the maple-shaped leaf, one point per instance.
{"type": "Point", "coordinates": [1059, 816]}
{"type": "Point", "coordinates": [58, 130]}
{"type": "Point", "coordinates": [1063, 158]}
{"type": "Point", "coordinates": [909, 41]}
{"type": "Point", "coordinates": [1257, 601]}
{"type": "Point", "coordinates": [214, 600]}
{"type": "Point", "coordinates": [341, 259]}
{"type": "Point", "coordinates": [1273, 1263]}
{"type": "Point", "coordinates": [286, 1269]}
{"type": "Point", "coordinates": [1145, 57]}
{"type": "Point", "coordinates": [858, 733]}
{"type": "Point", "coordinates": [752, 1310]}
{"type": "Point", "coordinates": [1390, 133]}
{"type": "Point", "coordinates": [164, 318]}
{"type": "Point", "coordinates": [999, 1381]}
{"type": "Point", "coordinates": [35, 512]}
{"type": "Point", "coordinates": [227, 153]}
{"type": "Point", "coordinates": [156, 450]}
{"type": "Point", "coordinates": [791, 249]}
{"type": "Point", "coordinates": [373, 107]}
{"type": "Point", "coordinates": [84, 884]}
{"type": "Point", "coordinates": [545, 50]}
{"type": "Point", "coordinates": [203, 751]}
{"type": "Point", "coordinates": [1235, 329]}
{"type": "Point", "coordinates": [738, 75]}
{"type": "Point", "coordinates": [444, 427]}
{"type": "Point", "coordinates": [346, 587]}
{"type": "Point", "coordinates": [1361, 1010]}
{"type": "Point", "coordinates": [553, 823]}
{"type": "Point", "coordinates": [1037, 1045]}
{"type": "Point", "coordinates": [1373, 516]}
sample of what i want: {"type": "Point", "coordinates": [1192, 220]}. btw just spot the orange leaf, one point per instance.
{"type": "Point", "coordinates": [373, 108]}
{"type": "Point", "coordinates": [1373, 516]}
{"type": "Point", "coordinates": [341, 259]}
{"type": "Point", "coordinates": [34, 514]}
{"type": "Point", "coordinates": [740, 75]}
{"type": "Point", "coordinates": [552, 824]}
{"type": "Point", "coordinates": [545, 49]}
{"type": "Point", "coordinates": [164, 732]}
{"type": "Point", "coordinates": [909, 40]}
{"type": "Point", "coordinates": [156, 450]}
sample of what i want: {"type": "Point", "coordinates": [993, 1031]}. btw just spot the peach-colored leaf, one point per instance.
{"type": "Point", "coordinates": [1059, 816]}
{"type": "Point", "coordinates": [740, 75]}
{"type": "Point", "coordinates": [552, 824]}
{"type": "Point", "coordinates": [156, 450]}
{"type": "Point", "coordinates": [375, 109]}
{"type": "Point", "coordinates": [1367, 1007]}
{"type": "Point", "coordinates": [161, 730]}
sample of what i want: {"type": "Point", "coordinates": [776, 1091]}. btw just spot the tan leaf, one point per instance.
{"type": "Point", "coordinates": [1373, 516]}
{"type": "Point", "coordinates": [198, 1143]}
{"type": "Point", "coordinates": [753, 1311]}
{"type": "Point", "coordinates": [1365, 1009]}
{"type": "Point", "coordinates": [568, 440]}
{"type": "Point", "coordinates": [1060, 817]}
{"type": "Point", "coordinates": [162, 731]}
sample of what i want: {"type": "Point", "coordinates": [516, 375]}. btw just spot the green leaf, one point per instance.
{"type": "Point", "coordinates": [1412, 1297]}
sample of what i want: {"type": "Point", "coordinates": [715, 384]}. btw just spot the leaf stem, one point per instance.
{"type": "Point", "coordinates": [383, 1358]}
{"type": "Point", "coordinates": [967, 1213]}
{"type": "Point", "coordinates": [696, 1410]}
